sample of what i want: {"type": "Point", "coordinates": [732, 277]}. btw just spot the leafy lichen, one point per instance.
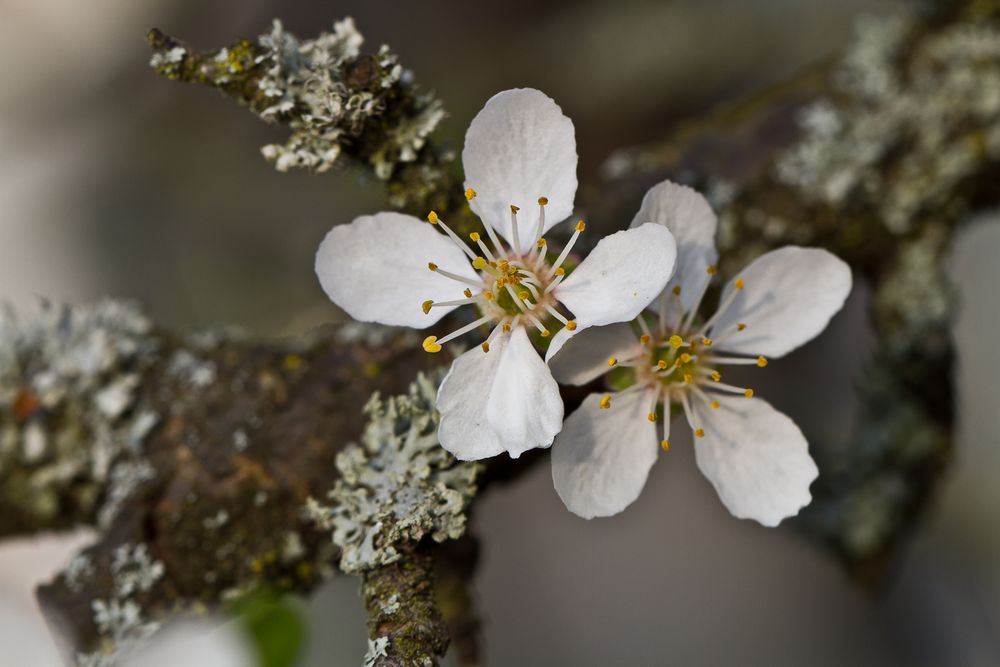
{"type": "Point", "coordinates": [398, 486]}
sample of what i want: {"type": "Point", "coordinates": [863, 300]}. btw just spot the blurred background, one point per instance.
{"type": "Point", "coordinates": [113, 181]}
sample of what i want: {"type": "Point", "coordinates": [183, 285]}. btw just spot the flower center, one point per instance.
{"type": "Point", "coordinates": [514, 288]}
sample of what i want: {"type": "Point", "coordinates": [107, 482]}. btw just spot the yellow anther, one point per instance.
{"type": "Point", "coordinates": [644, 338]}
{"type": "Point", "coordinates": [662, 364]}
{"type": "Point", "coordinates": [685, 358]}
{"type": "Point", "coordinates": [431, 344]}
{"type": "Point", "coordinates": [707, 342]}
{"type": "Point", "coordinates": [581, 225]}
{"type": "Point", "coordinates": [605, 402]}
{"type": "Point", "coordinates": [738, 283]}
{"type": "Point", "coordinates": [712, 269]}
{"type": "Point", "coordinates": [748, 393]}
{"type": "Point", "coordinates": [489, 295]}
{"type": "Point", "coordinates": [715, 375]}
{"type": "Point", "coordinates": [560, 271]}
{"type": "Point", "coordinates": [571, 325]}
{"type": "Point", "coordinates": [740, 326]}
{"type": "Point", "coordinates": [676, 290]}
{"type": "Point", "coordinates": [479, 263]}
{"type": "Point", "coordinates": [493, 264]}
{"type": "Point", "coordinates": [651, 416]}
{"type": "Point", "coordinates": [665, 445]}
{"type": "Point", "coordinates": [486, 346]}
{"type": "Point", "coordinates": [506, 327]}
{"type": "Point", "coordinates": [426, 306]}
{"type": "Point", "coordinates": [612, 361]}
{"type": "Point", "coordinates": [432, 218]}
{"type": "Point", "coordinates": [675, 341]}
{"type": "Point", "coordinates": [475, 237]}
{"type": "Point", "coordinates": [540, 243]}
{"type": "Point", "coordinates": [699, 433]}
{"type": "Point", "coordinates": [467, 292]}
{"type": "Point", "coordinates": [542, 201]}
{"type": "Point", "coordinates": [546, 333]}
{"type": "Point", "coordinates": [523, 295]}
{"type": "Point", "coordinates": [432, 266]}
{"type": "Point", "coordinates": [503, 265]}
{"type": "Point", "coordinates": [470, 194]}
{"type": "Point", "coordinates": [688, 378]}
{"type": "Point", "coordinates": [762, 361]}
{"type": "Point", "coordinates": [514, 209]}
{"type": "Point", "coordinates": [714, 405]}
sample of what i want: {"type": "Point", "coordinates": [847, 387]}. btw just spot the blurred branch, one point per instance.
{"type": "Point", "coordinates": [179, 448]}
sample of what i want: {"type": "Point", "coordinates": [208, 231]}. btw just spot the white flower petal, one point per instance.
{"type": "Point", "coordinates": [518, 148]}
{"type": "Point", "coordinates": [788, 298]}
{"type": "Point", "coordinates": [619, 278]}
{"type": "Point", "coordinates": [756, 458]}
{"type": "Point", "coordinates": [585, 357]}
{"type": "Point", "coordinates": [601, 458]}
{"type": "Point", "coordinates": [690, 218]}
{"type": "Point", "coordinates": [501, 400]}
{"type": "Point", "coordinates": [376, 269]}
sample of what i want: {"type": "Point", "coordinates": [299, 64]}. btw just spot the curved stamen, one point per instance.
{"type": "Point", "coordinates": [478, 240]}
{"type": "Point", "coordinates": [433, 218]}
{"type": "Point", "coordinates": [540, 228]}
{"type": "Point", "coordinates": [732, 389]}
{"type": "Point", "coordinates": [580, 226]}
{"type": "Point", "coordinates": [448, 274]}
{"type": "Point", "coordinates": [738, 285]}
{"type": "Point", "coordinates": [513, 229]}
{"type": "Point", "coordinates": [711, 271]}
{"type": "Point", "coordinates": [740, 361]}
{"type": "Point", "coordinates": [463, 330]}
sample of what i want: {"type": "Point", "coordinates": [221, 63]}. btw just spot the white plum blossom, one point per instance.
{"type": "Point", "coordinates": [756, 457]}
{"type": "Point", "coordinates": [390, 268]}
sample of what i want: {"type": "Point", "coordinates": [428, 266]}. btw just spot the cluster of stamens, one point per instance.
{"type": "Point", "coordinates": [677, 360]}
{"type": "Point", "coordinates": [514, 288]}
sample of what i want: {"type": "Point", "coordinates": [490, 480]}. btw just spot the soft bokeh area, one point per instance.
{"type": "Point", "coordinates": [113, 181]}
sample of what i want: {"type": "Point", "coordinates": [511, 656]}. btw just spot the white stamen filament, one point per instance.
{"type": "Point", "coordinates": [540, 228]}
{"type": "Point", "coordinates": [461, 279]}
{"type": "Point", "coordinates": [457, 302]}
{"type": "Point", "coordinates": [555, 283]}
{"type": "Point", "coordinates": [735, 292]}
{"type": "Point", "coordinates": [517, 299]}
{"type": "Point", "coordinates": [438, 222]}
{"type": "Point", "coordinates": [467, 328]}
{"type": "Point", "coordinates": [513, 230]}
{"type": "Point", "coordinates": [569, 246]}
{"type": "Point", "coordinates": [555, 313]}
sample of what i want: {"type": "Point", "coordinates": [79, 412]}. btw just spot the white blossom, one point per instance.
{"type": "Point", "coordinates": [755, 456]}
{"type": "Point", "coordinates": [520, 151]}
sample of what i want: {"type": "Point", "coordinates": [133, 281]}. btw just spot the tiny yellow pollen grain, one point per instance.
{"type": "Point", "coordinates": [571, 325]}
{"type": "Point", "coordinates": [475, 237]}
{"type": "Point", "coordinates": [426, 306]}
{"type": "Point", "coordinates": [651, 416]}
{"type": "Point", "coordinates": [540, 243]}
{"type": "Point", "coordinates": [605, 402]}
{"type": "Point", "coordinates": [676, 290]}
{"type": "Point", "coordinates": [486, 346]}
{"type": "Point", "coordinates": [712, 269]}
{"type": "Point", "coordinates": [762, 361]}
{"type": "Point", "coordinates": [523, 295]}
{"type": "Point", "coordinates": [506, 327]}
{"type": "Point", "coordinates": [514, 209]}
{"type": "Point", "coordinates": [699, 433]}
{"type": "Point", "coordinates": [748, 393]}
{"type": "Point", "coordinates": [489, 295]}
{"type": "Point", "coordinates": [479, 263]}
{"type": "Point", "coordinates": [432, 266]}
{"type": "Point", "coordinates": [675, 341]}
{"type": "Point", "coordinates": [740, 326]}
{"type": "Point", "coordinates": [714, 405]}
{"type": "Point", "coordinates": [542, 201]}
{"type": "Point", "coordinates": [685, 358]}
{"type": "Point", "coordinates": [665, 445]}
{"type": "Point", "coordinates": [612, 361]}
{"type": "Point", "coordinates": [662, 364]}
{"type": "Point", "coordinates": [560, 271]}
{"type": "Point", "coordinates": [738, 283]}
{"type": "Point", "coordinates": [470, 194]}
{"type": "Point", "coordinates": [715, 375]}
{"type": "Point", "coordinates": [467, 292]}
{"type": "Point", "coordinates": [432, 218]}
{"type": "Point", "coordinates": [581, 225]}
{"type": "Point", "coordinates": [644, 338]}
{"type": "Point", "coordinates": [546, 333]}
{"type": "Point", "coordinates": [431, 344]}
{"type": "Point", "coordinates": [707, 342]}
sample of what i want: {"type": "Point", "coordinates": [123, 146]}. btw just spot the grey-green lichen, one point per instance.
{"type": "Point", "coordinates": [69, 407]}
{"type": "Point", "coordinates": [398, 485]}
{"type": "Point", "coordinates": [943, 110]}
{"type": "Point", "coordinates": [119, 620]}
